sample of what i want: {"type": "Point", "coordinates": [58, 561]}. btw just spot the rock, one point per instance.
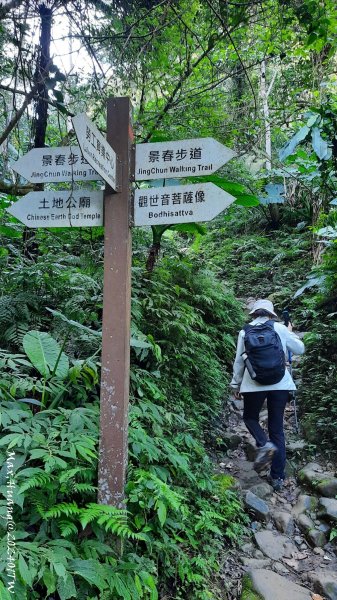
{"type": "Point", "coordinates": [311, 474]}
{"type": "Point", "coordinates": [289, 550]}
{"type": "Point", "coordinates": [328, 487]}
{"type": "Point", "coordinates": [319, 551]}
{"type": "Point", "coordinates": [325, 583]}
{"type": "Point", "coordinates": [305, 523]}
{"type": "Point", "coordinates": [325, 528]}
{"type": "Point", "coordinates": [304, 504]}
{"type": "Point", "coordinates": [258, 554]}
{"type": "Point", "coordinates": [312, 534]}
{"type": "Point", "coordinates": [317, 537]}
{"type": "Point", "coordinates": [261, 584]}
{"type": "Point", "coordinates": [274, 545]}
{"type": "Point", "coordinates": [298, 540]}
{"type": "Point", "coordinates": [280, 568]}
{"type": "Point", "coordinates": [284, 522]}
{"type": "Point", "coordinates": [255, 563]}
{"type": "Point", "coordinates": [231, 440]}
{"type": "Point", "coordinates": [255, 526]}
{"type": "Point", "coordinates": [237, 404]}
{"type": "Point", "coordinates": [249, 450]}
{"type": "Point", "coordinates": [327, 508]}
{"type": "Point", "coordinates": [257, 507]}
{"type": "Point", "coordinates": [248, 548]}
{"type": "Point", "coordinates": [262, 490]}
{"type": "Point", "coordinates": [247, 476]}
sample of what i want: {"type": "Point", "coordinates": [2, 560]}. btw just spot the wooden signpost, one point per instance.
{"type": "Point", "coordinates": [115, 160]}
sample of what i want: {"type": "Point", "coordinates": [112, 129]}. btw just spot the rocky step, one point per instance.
{"type": "Point", "coordinates": [262, 584]}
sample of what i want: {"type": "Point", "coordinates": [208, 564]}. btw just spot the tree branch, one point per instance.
{"type": "Point", "coordinates": [19, 113]}
{"type": "Point", "coordinates": [178, 87]}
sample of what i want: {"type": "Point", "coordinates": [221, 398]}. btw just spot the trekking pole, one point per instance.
{"type": "Point", "coordinates": [286, 318]}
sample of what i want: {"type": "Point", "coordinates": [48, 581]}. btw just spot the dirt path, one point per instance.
{"type": "Point", "coordinates": [288, 555]}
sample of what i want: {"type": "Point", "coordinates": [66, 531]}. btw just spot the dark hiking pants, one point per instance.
{"type": "Point", "coordinates": [276, 403]}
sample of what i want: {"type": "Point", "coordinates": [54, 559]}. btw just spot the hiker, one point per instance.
{"type": "Point", "coordinates": [259, 374]}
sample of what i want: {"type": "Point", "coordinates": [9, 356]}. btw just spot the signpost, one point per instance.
{"type": "Point", "coordinates": [43, 165]}
{"type": "Point", "coordinates": [80, 208]}
{"type": "Point", "coordinates": [200, 156]}
{"type": "Point", "coordinates": [179, 204]}
{"type": "Point", "coordinates": [84, 208]}
{"type": "Point", "coordinates": [96, 150]}
{"type": "Point", "coordinates": [115, 373]}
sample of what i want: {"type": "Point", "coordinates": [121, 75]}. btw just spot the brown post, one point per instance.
{"type": "Point", "coordinates": [116, 312]}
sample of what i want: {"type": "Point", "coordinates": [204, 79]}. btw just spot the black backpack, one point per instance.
{"type": "Point", "coordinates": [264, 356]}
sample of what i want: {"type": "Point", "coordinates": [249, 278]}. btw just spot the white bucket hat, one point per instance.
{"type": "Point", "coordinates": [265, 305]}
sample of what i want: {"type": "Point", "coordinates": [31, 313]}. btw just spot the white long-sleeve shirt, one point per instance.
{"type": "Point", "coordinates": [242, 381]}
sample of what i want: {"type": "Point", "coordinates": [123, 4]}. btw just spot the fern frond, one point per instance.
{"type": "Point", "coordinates": [67, 528]}
{"type": "Point", "coordinates": [65, 508]}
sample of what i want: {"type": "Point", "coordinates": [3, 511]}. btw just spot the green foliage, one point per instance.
{"type": "Point", "coordinates": [178, 519]}
{"type": "Point", "coordinates": [45, 354]}
{"type": "Point", "coordinates": [318, 389]}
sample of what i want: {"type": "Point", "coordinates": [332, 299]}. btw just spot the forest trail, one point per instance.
{"type": "Point", "coordinates": [288, 555]}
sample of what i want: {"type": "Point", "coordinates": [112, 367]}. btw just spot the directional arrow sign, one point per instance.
{"type": "Point", "coordinates": [200, 156]}
{"type": "Point", "coordinates": [179, 204]}
{"type": "Point", "coordinates": [96, 149]}
{"type": "Point", "coordinates": [82, 208]}
{"type": "Point", "coordinates": [65, 163]}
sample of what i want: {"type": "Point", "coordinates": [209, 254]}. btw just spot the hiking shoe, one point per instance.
{"type": "Point", "coordinates": [264, 456]}
{"type": "Point", "coordinates": [277, 484]}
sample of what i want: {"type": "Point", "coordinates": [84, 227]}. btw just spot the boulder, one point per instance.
{"type": "Point", "coordinates": [284, 522]}
{"type": "Point", "coordinates": [314, 476]}
{"type": "Point", "coordinates": [327, 509]}
{"type": "Point", "coordinates": [274, 545]}
{"type": "Point", "coordinates": [262, 490]}
{"type": "Point", "coordinates": [231, 440]}
{"type": "Point", "coordinates": [328, 487]}
{"type": "Point", "coordinates": [247, 476]}
{"type": "Point", "coordinates": [316, 537]}
{"type": "Point", "coordinates": [304, 504]}
{"type": "Point", "coordinates": [257, 507]}
{"type": "Point", "coordinates": [325, 583]}
{"type": "Point", "coordinates": [262, 584]}
{"type": "Point", "coordinates": [311, 474]}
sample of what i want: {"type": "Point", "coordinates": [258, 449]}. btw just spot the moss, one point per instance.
{"type": "Point", "coordinates": [248, 593]}
{"type": "Point", "coordinates": [225, 482]}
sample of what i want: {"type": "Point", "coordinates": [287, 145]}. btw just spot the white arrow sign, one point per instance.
{"type": "Point", "coordinates": [179, 204]}
{"type": "Point", "coordinates": [66, 163]}
{"type": "Point", "coordinates": [82, 208]}
{"type": "Point", "coordinates": [95, 148]}
{"type": "Point", "coordinates": [200, 156]}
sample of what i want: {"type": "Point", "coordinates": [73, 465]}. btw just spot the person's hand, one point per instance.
{"type": "Point", "coordinates": [289, 326]}
{"type": "Point", "coordinates": [237, 396]}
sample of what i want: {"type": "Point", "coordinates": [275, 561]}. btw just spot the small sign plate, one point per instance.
{"type": "Point", "coordinates": [184, 158]}
{"type": "Point", "coordinates": [80, 208]}
{"type": "Point", "coordinates": [179, 204]}
{"type": "Point", "coordinates": [96, 149]}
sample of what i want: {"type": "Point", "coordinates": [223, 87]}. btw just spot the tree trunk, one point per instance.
{"type": "Point", "coordinates": [41, 109]}
{"type": "Point", "coordinates": [264, 93]}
